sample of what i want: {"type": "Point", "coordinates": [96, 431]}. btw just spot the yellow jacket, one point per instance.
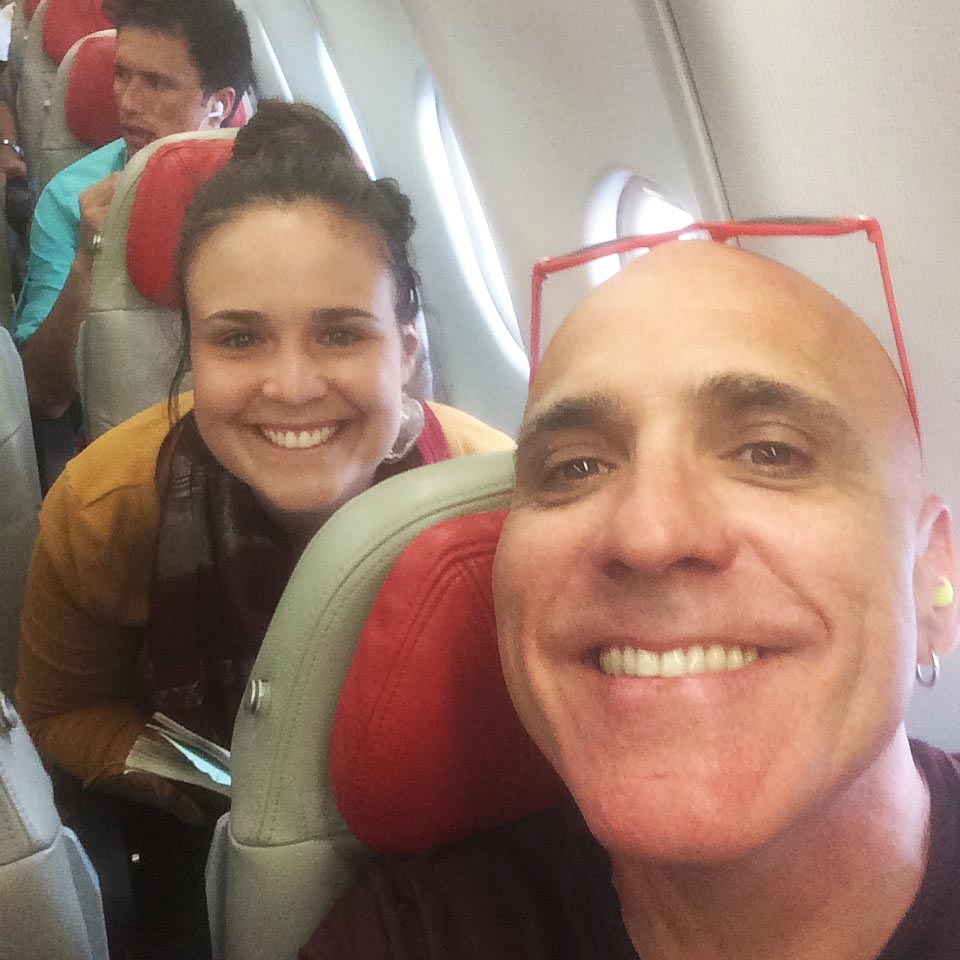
{"type": "Point", "coordinates": [87, 591]}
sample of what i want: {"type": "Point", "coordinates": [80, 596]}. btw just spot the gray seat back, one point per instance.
{"type": "Point", "coordinates": [128, 345]}
{"type": "Point", "coordinates": [18, 38]}
{"type": "Point", "coordinates": [6, 288]}
{"type": "Point", "coordinates": [33, 93]}
{"type": "Point", "coordinates": [283, 854]}
{"type": "Point", "coordinates": [50, 904]}
{"type": "Point", "coordinates": [58, 147]}
{"type": "Point", "coordinates": [19, 504]}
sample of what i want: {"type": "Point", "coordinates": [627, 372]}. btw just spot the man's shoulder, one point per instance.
{"type": "Point", "coordinates": [123, 458]}
{"type": "Point", "coordinates": [537, 887]}
{"type": "Point", "coordinates": [931, 928]}
{"type": "Point", "coordinates": [77, 176]}
{"type": "Point", "coordinates": [937, 765]}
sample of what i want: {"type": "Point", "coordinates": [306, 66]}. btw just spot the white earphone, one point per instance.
{"type": "Point", "coordinates": [217, 112]}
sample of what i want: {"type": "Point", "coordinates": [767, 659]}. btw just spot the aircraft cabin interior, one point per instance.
{"type": "Point", "coordinates": [519, 131]}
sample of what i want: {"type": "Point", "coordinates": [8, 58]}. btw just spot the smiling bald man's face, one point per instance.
{"type": "Point", "coordinates": [708, 587]}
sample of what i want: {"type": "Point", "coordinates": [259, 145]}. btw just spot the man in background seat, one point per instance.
{"type": "Point", "coordinates": [181, 65]}
{"type": "Point", "coordinates": [716, 584]}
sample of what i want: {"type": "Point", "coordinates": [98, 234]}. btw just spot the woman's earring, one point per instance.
{"type": "Point", "coordinates": [411, 426]}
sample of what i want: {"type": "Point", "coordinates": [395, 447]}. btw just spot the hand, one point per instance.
{"type": "Point", "coordinates": [158, 792]}
{"type": "Point", "coordinates": [12, 166]}
{"type": "Point", "coordinates": [94, 204]}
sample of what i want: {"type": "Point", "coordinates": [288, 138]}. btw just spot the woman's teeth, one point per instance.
{"type": "Point", "coordinates": [633, 662]}
{"type": "Point", "coordinates": [298, 439]}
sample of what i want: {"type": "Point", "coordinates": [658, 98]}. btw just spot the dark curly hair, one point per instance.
{"type": "Point", "coordinates": [215, 32]}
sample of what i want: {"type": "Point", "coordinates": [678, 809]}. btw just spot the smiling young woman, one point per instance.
{"type": "Point", "coordinates": [165, 546]}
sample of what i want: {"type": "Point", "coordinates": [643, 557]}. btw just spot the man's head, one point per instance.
{"type": "Point", "coordinates": [718, 485]}
{"type": "Point", "coordinates": [180, 65]}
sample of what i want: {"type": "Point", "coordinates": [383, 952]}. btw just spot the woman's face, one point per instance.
{"type": "Point", "coordinates": [298, 360]}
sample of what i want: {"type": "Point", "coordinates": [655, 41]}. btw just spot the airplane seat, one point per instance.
{"type": "Point", "coordinates": [424, 738]}
{"type": "Point", "coordinates": [55, 27]}
{"type": "Point", "coordinates": [19, 25]}
{"type": "Point", "coordinates": [83, 112]}
{"type": "Point", "coordinates": [129, 341]}
{"type": "Point", "coordinates": [50, 903]}
{"type": "Point", "coordinates": [19, 505]}
{"type": "Point", "coordinates": [6, 267]}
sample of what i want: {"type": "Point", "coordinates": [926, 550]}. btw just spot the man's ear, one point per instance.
{"type": "Point", "coordinates": [938, 623]}
{"type": "Point", "coordinates": [410, 345]}
{"type": "Point", "coordinates": [219, 105]}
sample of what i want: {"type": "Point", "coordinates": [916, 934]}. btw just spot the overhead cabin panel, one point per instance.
{"type": "Point", "coordinates": [547, 99]}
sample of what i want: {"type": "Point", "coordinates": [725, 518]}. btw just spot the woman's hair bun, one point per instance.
{"type": "Point", "coordinates": [278, 128]}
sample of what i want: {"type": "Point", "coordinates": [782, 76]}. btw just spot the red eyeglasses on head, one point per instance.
{"type": "Point", "coordinates": [721, 232]}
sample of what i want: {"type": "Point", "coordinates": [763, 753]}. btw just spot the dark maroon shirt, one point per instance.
{"type": "Point", "coordinates": [541, 889]}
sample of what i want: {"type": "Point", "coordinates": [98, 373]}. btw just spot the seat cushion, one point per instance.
{"type": "Point", "coordinates": [426, 745]}
{"type": "Point", "coordinates": [66, 21]}
{"type": "Point", "coordinates": [91, 109]}
{"type": "Point", "coordinates": [170, 179]}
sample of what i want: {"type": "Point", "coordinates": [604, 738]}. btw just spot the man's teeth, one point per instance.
{"type": "Point", "coordinates": [633, 662]}
{"type": "Point", "coordinates": [298, 439]}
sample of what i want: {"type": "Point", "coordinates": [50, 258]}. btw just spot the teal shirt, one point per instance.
{"type": "Point", "coordinates": [53, 235]}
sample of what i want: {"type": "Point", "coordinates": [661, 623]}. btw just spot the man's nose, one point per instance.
{"type": "Point", "coordinates": [292, 375]}
{"type": "Point", "coordinates": [667, 514]}
{"type": "Point", "coordinates": [129, 95]}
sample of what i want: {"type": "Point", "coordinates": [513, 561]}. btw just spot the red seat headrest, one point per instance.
{"type": "Point", "coordinates": [91, 108]}
{"type": "Point", "coordinates": [30, 8]}
{"type": "Point", "coordinates": [426, 745]}
{"type": "Point", "coordinates": [66, 21]}
{"type": "Point", "coordinates": [167, 185]}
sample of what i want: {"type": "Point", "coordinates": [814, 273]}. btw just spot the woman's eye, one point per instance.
{"type": "Point", "coordinates": [238, 341]}
{"type": "Point", "coordinates": [772, 456]}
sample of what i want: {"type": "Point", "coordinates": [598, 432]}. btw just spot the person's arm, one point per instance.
{"type": "Point", "coordinates": [11, 162]}
{"type": "Point", "coordinates": [49, 355]}
{"type": "Point", "coordinates": [81, 630]}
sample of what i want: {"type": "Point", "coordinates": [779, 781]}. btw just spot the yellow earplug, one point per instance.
{"type": "Point", "coordinates": [944, 595]}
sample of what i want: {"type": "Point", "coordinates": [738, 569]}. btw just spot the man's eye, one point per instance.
{"type": "Point", "coordinates": [340, 338]}
{"type": "Point", "coordinates": [772, 456]}
{"type": "Point", "coordinates": [579, 468]}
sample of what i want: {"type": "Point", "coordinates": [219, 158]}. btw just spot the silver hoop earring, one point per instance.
{"type": "Point", "coordinates": [411, 426]}
{"type": "Point", "coordinates": [935, 674]}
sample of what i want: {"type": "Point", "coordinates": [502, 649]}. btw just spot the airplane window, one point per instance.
{"type": "Point", "coordinates": [346, 116]}
{"type": "Point", "coordinates": [622, 205]}
{"type": "Point", "coordinates": [282, 87]}
{"type": "Point", "coordinates": [462, 212]}
{"type": "Point", "coordinates": [643, 210]}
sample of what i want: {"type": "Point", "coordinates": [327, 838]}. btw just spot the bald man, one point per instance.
{"type": "Point", "coordinates": [744, 572]}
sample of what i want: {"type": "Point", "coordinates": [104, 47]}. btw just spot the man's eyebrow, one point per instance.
{"type": "Point", "coordinates": [587, 411]}
{"type": "Point", "coordinates": [738, 393]}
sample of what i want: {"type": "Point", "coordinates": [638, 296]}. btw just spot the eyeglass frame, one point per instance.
{"type": "Point", "coordinates": [721, 231]}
